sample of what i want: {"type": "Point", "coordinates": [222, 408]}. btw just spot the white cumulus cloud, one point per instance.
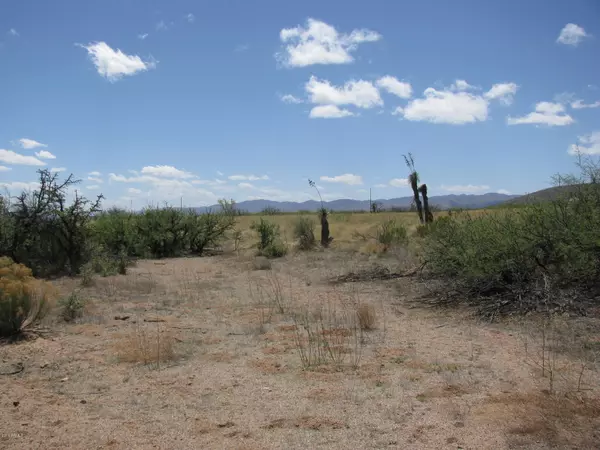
{"type": "Point", "coordinates": [95, 174]}
{"type": "Point", "coordinates": [5, 169]}
{"type": "Point", "coordinates": [394, 86]}
{"type": "Point", "coordinates": [93, 187]}
{"type": "Point", "coordinates": [329, 112]}
{"type": "Point", "coordinates": [446, 106]}
{"type": "Point", "coordinates": [30, 143]}
{"type": "Point", "coordinates": [320, 43]}
{"type": "Point", "coordinates": [57, 169]}
{"type": "Point", "coordinates": [571, 34]}
{"type": "Point", "coordinates": [588, 144]}
{"type": "Point", "coordinates": [44, 154]}
{"type": "Point", "coordinates": [114, 64]}
{"type": "Point", "coordinates": [95, 179]}
{"type": "Point", "coordinates": [461, 85]}
{"type": "Point", "coordinates": [358, 93]}
{"type": "Point", "coordinates": [10, 157]}
{"type": "Point", "coordinates": [399, 182]}
{"type": "Point", "coordinates": [546, 113]}
{"type": "Point", "coordinates": [504, 92]}
{"type": "Point", "coordinates": [346, 178]}
{"type": "Point", "coordinates": [166, 171]}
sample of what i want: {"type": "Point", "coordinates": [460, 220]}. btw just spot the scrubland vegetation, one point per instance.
{"type": "Point", "coordinates": [332, 323]}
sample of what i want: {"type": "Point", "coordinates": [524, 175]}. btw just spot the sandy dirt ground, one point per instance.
{"type": "Point", "coordinates": [209, 353]}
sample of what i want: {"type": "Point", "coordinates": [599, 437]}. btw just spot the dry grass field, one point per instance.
{"type": "Point", "coordinates": [208, 353]}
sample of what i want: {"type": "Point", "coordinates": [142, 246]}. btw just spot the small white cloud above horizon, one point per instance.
{"type": "Point", "coordinates": [399, 182]}
{"type": "Point", "coordinates": [142, 36]}
{"type": "Point", "coordinates": [289, 98]}
{"type": "Point", "coordinates": [320, 43]}
{"type": "Point", "coordinates": [394, 86]}
{"type": "Point", "coordinates": [93, 187]}
{"type": "Point", "coordinates": [572, 34]}
{"type": "Point", "coordinates": [114, 64]}
{"type": "Point", "coordinates": [57, 169]}
{"type": "Point", "coordinates": [30, 143]}
{"type": "Point", "coordinates": [329, 112]}
{"type": "Point", "coordinates": [190, 18]}
{"type": "Point", "coordinates": [504, 92]}
{"type": "Point", "coordinates": [44, 154]}
{"type": "Point", "coordinates": [10, 157]}
{"type": "Point", "coordinates": [347, 178]}
{"type": "Point", "coordinates": [5, 169]}
{"type": "Point", "coordinates": [95, 179]}
{"type": "Point", "coordinates": [588, 144]}
{"type": "Point", "coordinates": [360, 93]}
{"type": "Point", "coordinates": [248, 177]}
{"type": "Point", "coordinates": [546, 113]}
{"type": "Point", "coordinates": [579, 104]}
{"type": "Point", "coordinates": [166, 171]}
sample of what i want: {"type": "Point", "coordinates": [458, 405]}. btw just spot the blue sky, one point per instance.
{"type": "Point", "coordinates": [154, 100]}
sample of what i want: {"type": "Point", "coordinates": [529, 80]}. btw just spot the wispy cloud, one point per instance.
{"type": "Point", "coordinates": [289, 98]}
{"type": "Point", "coordinates": [320, 43]}
{"type": "Point", "coordinates": [13, 32]}
{"type": "Point", "coordinates": [57, 169]}
{"type": "Point", "coordinates": [142, 36]}
{"type": "Point", "coordinates": [347, 178]}
{"type": "Point", "coordinates": [114, 64]}
{"type": "Point", "coordinates": [248, 177]}
{"type": "Point", "coordinates": [571, 34]}
{"type": "Point", "coordinates": [161, 26]}
{"type": "Point", "coordinates": [190, 18]}
{"type": "Point", "coordinates": [30, 143]}
{"type": "Point", "coordinates": [241, 48]}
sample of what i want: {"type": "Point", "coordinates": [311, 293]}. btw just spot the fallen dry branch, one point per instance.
{"type": "Point", "coordinates": [377, 273]}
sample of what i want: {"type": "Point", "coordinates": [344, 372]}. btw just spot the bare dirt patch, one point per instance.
{"type": "Point", "coordinates": [207, 353]}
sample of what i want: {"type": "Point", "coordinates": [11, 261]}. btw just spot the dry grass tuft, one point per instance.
{"type": "Point", "coordinates": [146, 344]}
{"type": "Point", "coordinates": [366, 316]}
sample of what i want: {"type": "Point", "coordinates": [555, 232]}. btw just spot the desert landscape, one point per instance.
{"type": "Point", "coordinates": [313, 350]}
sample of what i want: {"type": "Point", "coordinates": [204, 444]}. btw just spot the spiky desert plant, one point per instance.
{"type": "Point", "coordinates": [322, 213]}
{"type": "Point", "coordinates": [413, 180]}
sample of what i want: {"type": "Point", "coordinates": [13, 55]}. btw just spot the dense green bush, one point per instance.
{"type": "Point", "coordinates": [511, 252]}
{"type": "Point", "coordinates": [304, 232]}
{"type": "Point", "coordinates": [269, 239]}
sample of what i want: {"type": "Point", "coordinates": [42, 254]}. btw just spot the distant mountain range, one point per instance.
{"type": "Point", "coordinates": [470, 201]}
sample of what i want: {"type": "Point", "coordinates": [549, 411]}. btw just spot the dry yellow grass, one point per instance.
{"type": "Point", "coordinates": [147, 344]}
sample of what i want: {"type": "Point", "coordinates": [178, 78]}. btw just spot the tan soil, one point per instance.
{"type": "Point", "coordinates": [230, 375]}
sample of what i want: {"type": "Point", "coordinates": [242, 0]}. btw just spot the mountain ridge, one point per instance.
{"type": "Point", "coordinates": [468, 201]}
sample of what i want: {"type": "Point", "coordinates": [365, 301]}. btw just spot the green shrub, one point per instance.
{"type": "Point", "coordinates": [72, 307]}
{"type": "Point", "coordinates": [391, 233]}
{"type": "Point", "coordinates": [269, 239]}
{"type": "Point", "coordinates": [511, 253]}
{"type": "Point", "coordinates": [276, 249]}
{"type": "Point", "coordinates": [23, 299]}
{"type": "Point", "coordinates": [304, 232]}
{"type": "Point", "coordinates": [267, 232]}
